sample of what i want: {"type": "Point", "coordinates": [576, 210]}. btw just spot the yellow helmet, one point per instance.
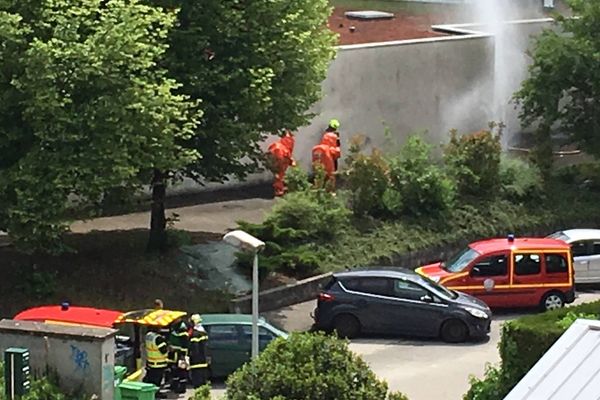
{"type": "Point", "coordinates": [196, 318]}
{"type": "Point", "coordinates": [334, 124]}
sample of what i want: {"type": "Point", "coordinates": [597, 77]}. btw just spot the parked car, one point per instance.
{"type": "Point", "coordinates": [512, 272]}
{"type": "Point", "coordinates": [230, 340]}
{"type": "Point", "coordinates": [398, 301]}
{"type": "Point", "coordinates": [585, 246]}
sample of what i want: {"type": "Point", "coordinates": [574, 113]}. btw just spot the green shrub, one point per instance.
{"type": "Point", "coordinates": [523, 342]}
{"type": "Point", "coordinates": [202, 393]}
{"type": "Point", "coordinates": [520, 180]}
{"type": "Point", "coordinates": [489, 388]}
{"type": "Point", "coordinates": [366, 178]}
{"type": "Point", "coordinates": [297, 180]}
{"type": "Point", "coordinates": [473, 160]}
{"type": "Point", "coordinates": [583, 175]}
{"type": "Point", "coordinates": [566, 321]}
{"type": "Point", "coordinates": [43, 388]}
{"type": "Point", "coordinates": [421, 185]}
{"type": "Point", "coordinates": [296, 231]}
{"type": "Point", "coordinates": [307, 366]}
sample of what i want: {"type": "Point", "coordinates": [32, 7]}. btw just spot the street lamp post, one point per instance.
{"type": "Point", "coordinates": [247, 242]}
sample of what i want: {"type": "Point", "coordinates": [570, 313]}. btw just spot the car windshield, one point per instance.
{"type": "Point", "coordinates": [439, 289]}
{"type": "Point", "coordinates": [559, 236]}
{"type": "Point", "coordinates": [460, 260]}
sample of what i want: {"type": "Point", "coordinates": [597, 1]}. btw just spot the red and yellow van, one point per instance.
{"type": "Point", "coordinates": [512, 272]}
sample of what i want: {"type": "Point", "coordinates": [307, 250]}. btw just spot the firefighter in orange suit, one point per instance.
{"type": "Point", "coordinates": [280, 157]}
{"type": "Point", "coordinates": [326, 155]}
{"type": "Point", "coordinates": [332, 132]}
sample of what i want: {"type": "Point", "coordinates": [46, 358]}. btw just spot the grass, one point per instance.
{"type": "Point", "coordinates": [109, 270]}
{"type": "Point", "coordinates": [564, 206]}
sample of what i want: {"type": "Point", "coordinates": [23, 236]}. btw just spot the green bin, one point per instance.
{"type": "Point", "coordinates": [137, 391]}
{"type": "Point", "coordinates": [120, 372]}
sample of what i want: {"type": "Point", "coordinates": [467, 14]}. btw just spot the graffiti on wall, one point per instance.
{"type": "Point", "coordinates": [80, 359]}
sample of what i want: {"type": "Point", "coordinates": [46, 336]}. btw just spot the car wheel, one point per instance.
{"type": "Point", "coordinates": [346, 325]}
{"type": "Point", "coordinates": [454, 331]}
{"type": "Point", "coordinates": [552, 301]}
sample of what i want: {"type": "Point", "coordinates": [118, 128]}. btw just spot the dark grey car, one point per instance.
{"type": "Point", "coordinates": [398, 301]}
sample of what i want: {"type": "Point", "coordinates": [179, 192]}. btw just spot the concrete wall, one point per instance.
{"type": "Point", "coordinates": [461, 81]}
{"type": "Point", "coordinates": [83, 358]}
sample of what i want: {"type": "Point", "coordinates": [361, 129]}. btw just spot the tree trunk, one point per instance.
{"type": "Point", "coordinates": [158, 220]}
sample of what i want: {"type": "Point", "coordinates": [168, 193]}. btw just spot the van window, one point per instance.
{"type": "Point", "coordinates": [596, 248]}
{"type": "Point", "coordinates": [527, 264]}
{"type": "Point", "coordinates": [490, 266]}
{"type": "Point", "coordinates": [556, 263]}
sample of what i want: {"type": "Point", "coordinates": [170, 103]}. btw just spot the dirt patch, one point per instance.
{"type": "Point", "coordinates": [402, 27]}
{"type": "Point", "coordinates": [109, 270]}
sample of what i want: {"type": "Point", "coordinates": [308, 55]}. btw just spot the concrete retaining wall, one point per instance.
{"type": "Point", "coordinates": [83, 358]}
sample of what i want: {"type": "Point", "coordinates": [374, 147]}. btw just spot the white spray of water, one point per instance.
{"type": "Point", "coordinates": [510, 66]}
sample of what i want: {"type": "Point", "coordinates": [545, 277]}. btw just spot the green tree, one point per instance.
{"type": "Point", "coordinates": [563, 87]}
{"type": "Point", "coordinates": [307, 366]}
{"type": "Point", "coordinates": [256, 65]}
{"type": "Point", "coordinates": [85, 108]}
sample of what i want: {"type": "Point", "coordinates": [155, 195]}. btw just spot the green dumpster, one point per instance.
{"type": "Point", "coordinates": [137, 391]}
{"type": "Point", "coordinates": [120, 372]}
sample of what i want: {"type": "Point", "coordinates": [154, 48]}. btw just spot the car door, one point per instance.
{"type": "Point", "coordinates": [371, 302]}
{"type": "Point", "coordinates": [528, 279]}
{"type": "Point", "coordinates": [581, 259]}
{"type": "Point", "coordinates": [265, 336]}
{"type": "Point", "coordinates": [594, 262]}
{"type": "Point", "coordinates": [227, 349]}
{"type": "Point", "coordinates": [415, 310]}
{"type": "Point", "coordinates": [489, 278]}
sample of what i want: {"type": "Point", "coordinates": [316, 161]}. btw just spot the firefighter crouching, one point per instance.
{"type": "Point", "coordinates": [198, 353]}
{"type": "Point", "coordinates": [156, 358]}
{"type": "Point", "coordinates": [178, 347]}
{"type": "Point", "coordinates": [279, 158]}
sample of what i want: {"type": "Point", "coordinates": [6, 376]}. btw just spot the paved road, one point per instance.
{"type": "Point", "coordinates": [211, 217]}
{"type": "Point", "coordinates": [422, 369]}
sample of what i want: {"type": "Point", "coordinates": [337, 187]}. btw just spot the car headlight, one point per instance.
{"type": "Point", "coordinates": [476, 312]}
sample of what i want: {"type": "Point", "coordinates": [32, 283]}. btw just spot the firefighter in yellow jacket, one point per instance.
{"type": "Point", "coordinates": [156, 358]}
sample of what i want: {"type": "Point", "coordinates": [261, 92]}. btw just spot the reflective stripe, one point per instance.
{"type": "Point", "coordinates": [198, 366]}
{"type": "Point", "coordinates": [154, 357]}
{"type": "Point", "coordinates": [198, 339]}
{"type": "Point", "coordinates": [156, 364]}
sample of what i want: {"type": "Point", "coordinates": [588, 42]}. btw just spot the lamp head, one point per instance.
{"type": "Point", "coordinates": [244, 241]}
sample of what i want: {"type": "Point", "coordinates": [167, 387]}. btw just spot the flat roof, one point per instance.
{"type": "Point", "coordinates": [569, 370]}
{"type": "Point", "coordinates": [8, 326]}
{"type": "Point", "coordinates": [491, 245]}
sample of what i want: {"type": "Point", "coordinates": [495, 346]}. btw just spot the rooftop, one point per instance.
{"type": "Point", "coordinates": [490, 245]}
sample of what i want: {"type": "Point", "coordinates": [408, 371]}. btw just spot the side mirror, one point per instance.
{"type": "Point", "coordinates": [427, 298]}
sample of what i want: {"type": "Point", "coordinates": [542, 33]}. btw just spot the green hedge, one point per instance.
{"type": "Point", "coordinates": [524, 341]}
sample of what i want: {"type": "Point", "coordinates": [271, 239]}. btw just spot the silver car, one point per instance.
{"type": "Point", "coordinates": [585, 246]}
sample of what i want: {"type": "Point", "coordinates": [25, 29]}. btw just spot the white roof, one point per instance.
{"type": "Point", "coordinates": [582, 234]}
{"type": "Point", "coordinates": [568, 371]}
